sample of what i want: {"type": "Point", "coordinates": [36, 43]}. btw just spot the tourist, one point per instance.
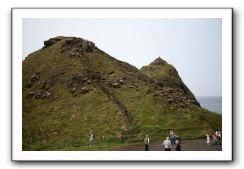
{"type": "Point", "coordinates": [167, 144]}
{"type": "Point", "coordinates": [215, 141]}
{"type": "Point", "coordinates": [178, 146]}
{"type": "Point", "coordinates": [146, 143]}
{"type": "Point", "coordinates": [92, 137]}
{"type": "Point", "coordinates": [220, 137]}
{"type": "Point", "coordinates": [172, 136]}
{"type": "Point", "coordinates": [217, 137]}
{"type": "Point", "coordinates": [208, 138]}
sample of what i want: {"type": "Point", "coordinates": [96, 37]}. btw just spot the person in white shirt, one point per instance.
{"type": "Point", "coordinates": [146, 142]}
{"type": "Point", "coordinates": [92, 137]}
{"type": "Point", "coordinates": [167, 144]}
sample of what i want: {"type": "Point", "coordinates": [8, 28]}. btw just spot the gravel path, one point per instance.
{"type": "Point", "coordinates": [186, 145]}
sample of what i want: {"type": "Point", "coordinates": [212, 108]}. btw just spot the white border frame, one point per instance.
{"type": "Point", "coordinates": [18, 155]}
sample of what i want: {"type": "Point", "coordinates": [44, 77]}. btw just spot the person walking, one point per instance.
{"type": "Point", "coordinates": [220, 137]}
{"type": "Point", "coordinates": [217, 136]}
{"type": "Point", "coordinates": [92, 137]}
{"type": "Point", "coordinates": [177, 146]}
{"type": "Point", "coordinates": [215, 142]}
{"type": "Point", "coordinates": [167, 144]}
{"type": "Point", "coordinates": [208, 138]}
{"type": "Point", "coordinates": [146, 143]}
{"type": "Point", "coordinates": [172, 136]}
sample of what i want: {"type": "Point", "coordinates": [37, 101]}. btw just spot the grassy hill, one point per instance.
{"type": "Point", "coordinates": [70, 87]}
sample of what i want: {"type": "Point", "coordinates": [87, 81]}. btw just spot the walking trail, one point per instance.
{"type": "Point", "coordinates": [186, 145]}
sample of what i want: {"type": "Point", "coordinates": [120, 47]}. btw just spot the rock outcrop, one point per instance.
{"type": "Point", "coordinates": [167, 77]}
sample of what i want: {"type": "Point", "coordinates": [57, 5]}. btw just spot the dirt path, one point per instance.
{"type": "Point", "coordinates": [117, 103]}
{"type": "Point", "coordinates": [186, 145]}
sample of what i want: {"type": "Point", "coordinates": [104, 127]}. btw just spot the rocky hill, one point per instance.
{"type": "Point", "coordinates": [70, 87]}
{"type": "Point", "coordinates": [166, 76]}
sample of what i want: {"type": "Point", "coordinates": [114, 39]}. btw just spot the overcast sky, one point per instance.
{"type": "Point", "coordinates": [192, 46]}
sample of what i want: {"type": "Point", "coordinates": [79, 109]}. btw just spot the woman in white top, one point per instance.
{"type": "Point", "coordinates": [208, 138]}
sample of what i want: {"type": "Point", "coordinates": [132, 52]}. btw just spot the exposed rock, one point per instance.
{"type": "Point", "coordinates": [78, 45]}
{"type": "Point", "coordinates": [170, 100]}
{"type": "Point", "coordinates": [115, 85]}
{"type": "Point", "coordinates": [84, 90]}
{"type": "Point", "coordinates": [121, 81]}
{"type": "Point", "coordinates": [119, 135]}
{"type": "Point", "coordinates": [34, 77]}
{"type": "Point", "coordinates": [50, 42]}
{"type": "Point", "coordinates": [32, 95]}
{"type": "Point", "coordinates": [37, 95]}
{"type": "Point", "coordinates": [45, 85]}
{"type": "Point", "coordinates": [75, 54]}
{"type": "Point", "coordinates": [73, 90]}
{"type": "Point", "coordinates": [124, 128]}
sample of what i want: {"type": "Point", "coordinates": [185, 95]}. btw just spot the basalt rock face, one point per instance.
{"type": "Point", "coordinates": [71, 87]}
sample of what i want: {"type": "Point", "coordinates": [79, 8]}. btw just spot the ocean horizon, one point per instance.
{"type": "Point", "coordinates": [211, 103]}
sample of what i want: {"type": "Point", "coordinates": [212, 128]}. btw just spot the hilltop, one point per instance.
{"type": "Point", "coordinates": [71, 87]}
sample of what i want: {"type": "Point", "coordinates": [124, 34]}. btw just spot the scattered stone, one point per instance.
{"type": "Point", "coordinates": [170, 100]}
{"type": "Point", "coordinates": [119, 135]}
{"type": "Point", "coordinates": [62, 50]}
{"type": "Point", "coordinates": [121, 81]}
{"type": "Point", "coordinates": [115, 85]}
{"type": "Point", "coordinates": [79, 45]}
{"type": "Point", "coordinates": [32, 95]}
{"type": "Point", "coordinates": [45, 85]}
{"type": "Point", "coordinates": [84, 90]}
{"type": "Point", "coordinates": [73, 90]}
{"type": "Point", "coordinates": [124, 128]}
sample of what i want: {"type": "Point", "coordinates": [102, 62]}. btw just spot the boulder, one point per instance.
{"type": "Point", "coordinates": [35, 77]}
{"type": "Point", "coordinates": [62, 50]}
{"type": "Point", "coordinates": [115, 85]}
{"type": "Point", "coordinates": [73, 90]}
{"type": "Point", "coordinates": [32, 95]}
{"type": "Point", "coordinates": [170, 100]}
{"type": "Point", "coordinates": [124, 128]}
{"type": "Point", "coordinates": [45, 85]}
{"type": "Point", "coordinates": [37, 96]}
{"type": "Point", "coordinates": [49, 42]}
{"type": "Point", "coordinates": [121, 81]}
{"type": "Point", "coordinates": [84, 90]}
{"type": "Point", "coordinates": [119, 135]}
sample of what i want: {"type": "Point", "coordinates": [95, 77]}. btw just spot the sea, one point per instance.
{"type": "Point", "coordinates": [211, 103]}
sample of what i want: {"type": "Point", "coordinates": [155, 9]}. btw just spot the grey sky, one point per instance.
{"type": "Point", "coordinates": [192, 46]}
